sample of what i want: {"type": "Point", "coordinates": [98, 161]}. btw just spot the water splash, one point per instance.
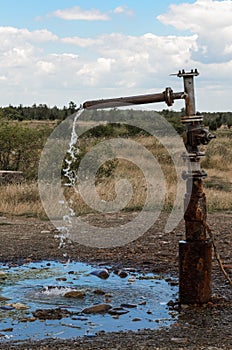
{"type": "Point", "coordinates": [55, 291]}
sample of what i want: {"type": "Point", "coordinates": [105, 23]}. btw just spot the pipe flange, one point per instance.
{"type": "Point", "coordinates": [199, 174]}
{"type": "Point", "coordinates": [195, 155]}
{"type": "Point", "coordinates": [191, 119]}
{"type": "Point", "coordinates": [168, 95]}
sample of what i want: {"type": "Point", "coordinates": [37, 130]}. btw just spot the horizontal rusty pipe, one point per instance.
{"type": "Point", "coordinates": [167, 96]}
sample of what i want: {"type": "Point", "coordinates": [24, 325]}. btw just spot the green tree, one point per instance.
{"type": "Point", "coordinates": [212, 125]}
{"type": "Point", "coordinates": [72, 107]}
{"type": "Point", "coordinates": [20, 148]}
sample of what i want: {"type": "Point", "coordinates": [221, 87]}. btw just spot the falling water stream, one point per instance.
{"type": "Point", "coordinates": [70, 177]}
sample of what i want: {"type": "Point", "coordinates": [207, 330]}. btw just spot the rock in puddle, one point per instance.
{"type": "Point", "coordinates": [6, 307]}
{"type": "Point", "coordinates": [131, 280]}
{"type": "Point", "coordinates": [78, 294]}
{"type": "Point", "coordinates": [136, 319]}
{"type": "Point", "coordinates": [128, 306]}
{"type": "Point", "coordinates": [101, 273]}
{"type": "Point", "coordinates": [61, 279]}
{"type": "Point", "coordinates": [121, 273]}
{"type": "Point", "coordinates": [18, 306]}
{"type": "Point", "coordinates": [27, 319]}
{"type": "Point", "coordinates": [10, 329]}
{"type": "Point", "coordinates": [3, 275]}
{"type": "Point", "coordinates": [79, 318]}
{"type": "Point", "coordinates": [99, 292]}
{"type": "Point", "coordinates": [51, 314]}
{"type": "Point", "coordinates": [117, 311]}
{"type": "Point", "coordinates": [3, 298]}
{"type": "Point", "coordinates": [96, 309]}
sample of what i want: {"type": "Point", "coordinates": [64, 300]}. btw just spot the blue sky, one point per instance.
{"type": "Point", "coordinates": [37, 14]}
{"type": "Point", "coordinates": [56, 51]}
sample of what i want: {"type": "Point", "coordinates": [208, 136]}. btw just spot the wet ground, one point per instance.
{"type": "Point", "coordinates": [75, 299]}
{"type": "Point", "coordinates": [25, 240]}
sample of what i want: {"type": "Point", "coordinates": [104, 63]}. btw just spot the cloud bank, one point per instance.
{"type": "Point", "coordinates": [40, 66]}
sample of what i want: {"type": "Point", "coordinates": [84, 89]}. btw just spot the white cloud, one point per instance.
{"type": "Point", "coordinates": [46, 67]}
{"type": "Point", "coordinates": [18, 48]}
{"type": "Point", "coordinates": [123, 9]}
{"type": "Point", "coordinates": [66, 56]}
{"type": "Point", "coordinates": [211, 21]}
{"type": "Point", "coordinates": [228, 49]}
{"type": "Point", "coordinates": [79, 41]}
{"type": "Point", "coordinates": [76, 13]}
{"type": "Point", "coordinates": [94, 73]}
{"type": "Point", "coordinates": [13, 33]}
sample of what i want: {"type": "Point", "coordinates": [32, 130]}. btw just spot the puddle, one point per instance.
{"type": "Point", "coordinates": [128, 300]}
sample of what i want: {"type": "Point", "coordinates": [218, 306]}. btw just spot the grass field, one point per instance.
{"type": "Point", "coordinates": [24, 199]}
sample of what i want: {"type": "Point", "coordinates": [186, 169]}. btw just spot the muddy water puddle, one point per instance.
{"type": "Point", "coordinates": [64, 300]}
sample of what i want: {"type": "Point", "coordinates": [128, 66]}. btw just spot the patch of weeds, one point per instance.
{"type": "Point", "coordinates": [218, 184]}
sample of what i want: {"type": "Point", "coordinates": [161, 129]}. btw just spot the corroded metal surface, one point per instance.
{"type": "Point", "coordinates": [195, 212]}
{"type": "Point", "coordinates": [195, 272]}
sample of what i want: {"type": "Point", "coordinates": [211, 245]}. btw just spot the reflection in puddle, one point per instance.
{"type": "Point", "coordinates": [54, 300]}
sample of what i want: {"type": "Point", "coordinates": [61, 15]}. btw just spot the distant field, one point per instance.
{"type": "Point", "coordinates": [23, 199]}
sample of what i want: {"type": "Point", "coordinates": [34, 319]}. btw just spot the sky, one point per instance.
{"type": "Point", "coordinates": [56, 51]}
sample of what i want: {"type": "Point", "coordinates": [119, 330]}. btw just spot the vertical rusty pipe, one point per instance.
{"type": "Point", "coordinates": [188, 78]}
{"type": "Point", "coordinates": [190, 99]}
{"type": "Point", "coordinates": [195, 253]}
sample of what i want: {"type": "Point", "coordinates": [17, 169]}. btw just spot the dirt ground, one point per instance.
{"type": "Point", "coordinates": [198, 327]}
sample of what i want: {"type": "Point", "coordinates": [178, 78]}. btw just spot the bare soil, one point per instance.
{"type": "Point", "coordinates": [198, 327]}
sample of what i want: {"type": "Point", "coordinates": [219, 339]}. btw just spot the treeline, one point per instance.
{"type": "Point", "coordinates": [213, 120]}
{"type": "Point", "coordinates": [37, 112]}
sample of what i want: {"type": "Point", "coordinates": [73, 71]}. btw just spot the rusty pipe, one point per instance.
{"type": "Point", "coordinates": [188, 78]}
{"type": "Point", "coordinates": [167, 96]}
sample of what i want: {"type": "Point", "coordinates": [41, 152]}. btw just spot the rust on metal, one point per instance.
{"type": "Point", "coordinates": [195, 273]}
{"type": "Point", "coordinates": [195, 212]}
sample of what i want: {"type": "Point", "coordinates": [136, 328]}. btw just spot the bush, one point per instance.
{"type": "Point", "coordinates": [20, 148]}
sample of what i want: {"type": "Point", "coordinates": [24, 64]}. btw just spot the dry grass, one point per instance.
{"type": "Point", "coordinates": [218, 165]}
{"type": "Point", "coordinates": [23, 199]}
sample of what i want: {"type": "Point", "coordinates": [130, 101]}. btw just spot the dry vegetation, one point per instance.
{"type": "Point", "coordinates": [218, 165]}
{"type": "Point", "coordinates": [23, 198]}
